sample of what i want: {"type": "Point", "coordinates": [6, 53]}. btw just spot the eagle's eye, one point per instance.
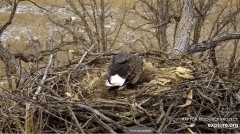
{"type": "Point", "coordinates": [124, 62]}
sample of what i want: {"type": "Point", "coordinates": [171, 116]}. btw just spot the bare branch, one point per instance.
{"type": "Point", "coordinates": [226, 21]}
{"type": "Point", "coordinates": [212, 43]}
{"type": "Point", "coordinates": [44, 77]}
{"type": "Point", "coordinates": [34, 3]}
{"type": "Point", "coordinates": [14, 7]}
{"type": "Point", "coordinates": [28, 58]}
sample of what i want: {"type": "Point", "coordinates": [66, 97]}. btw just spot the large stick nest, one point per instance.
{"type": "Point", "coordinates": [174, 96]}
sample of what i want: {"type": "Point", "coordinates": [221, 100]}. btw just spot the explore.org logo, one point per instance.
{"type": "Point", "coordinates": [223, 125]}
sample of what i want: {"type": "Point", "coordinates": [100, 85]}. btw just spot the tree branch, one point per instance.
{"type": "Point", "coordinates": [44, 77]}
{"type": "Point", "coordinates": [14, 8]}
{"type": "Point", "coordinates": [211, 43]}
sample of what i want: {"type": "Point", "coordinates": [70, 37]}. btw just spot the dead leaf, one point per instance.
{"type": "Point", "coordinates": [68, 94]}
{"type": "Point", "coordinates": [184, 73]}
{"type": "Point", "coordinates": [188, 101]}
{"type": "Point", "coordinates": [164, 81]}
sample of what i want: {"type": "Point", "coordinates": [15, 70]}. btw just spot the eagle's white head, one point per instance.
{"type": "Point", "coordinates": [115, 80]}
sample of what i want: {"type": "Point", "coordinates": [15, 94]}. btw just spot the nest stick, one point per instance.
{"type": "Point", "coordinates": [84, 55]}
{"type": "Point", "coordinates": [204, 96]}
{"type": "Point", "coordinates": [104, 125]}
{"type": "Point", "coordinates": [100, 115]}
{"type": "Point", "coordinates": [75, 119]}
{"type": "Point", "coordinates": [44, 77]}
{"type": "Point", "coordinates": [80, 61]}
{"type": "Point", "coordinates": [27, 119]}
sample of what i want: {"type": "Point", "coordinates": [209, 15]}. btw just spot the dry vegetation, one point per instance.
{"type": "Point", "coordinates": [54, 81]}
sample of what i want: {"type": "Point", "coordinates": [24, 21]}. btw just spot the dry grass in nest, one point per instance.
{"type": "Point", "coordinates": [163, 97]}
{"type": "Point", "coordinates": [152, 82]}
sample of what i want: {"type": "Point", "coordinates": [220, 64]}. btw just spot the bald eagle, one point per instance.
{"type": "Point", "coordinates": [125, 68]}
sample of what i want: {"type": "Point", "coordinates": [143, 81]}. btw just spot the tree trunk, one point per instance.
{"type": "Point", "coordinates": [185, 28]}
{"type": "Point", "coordinates": [102, 22]}
{"type": "Point", "coordinates": [7, 58]}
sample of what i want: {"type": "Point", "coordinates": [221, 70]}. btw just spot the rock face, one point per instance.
{"type": "Point", "coordinates": [125, 68]}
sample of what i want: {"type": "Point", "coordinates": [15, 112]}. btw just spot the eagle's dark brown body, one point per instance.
{"type": "Point", "coordinates": [126, 65]}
